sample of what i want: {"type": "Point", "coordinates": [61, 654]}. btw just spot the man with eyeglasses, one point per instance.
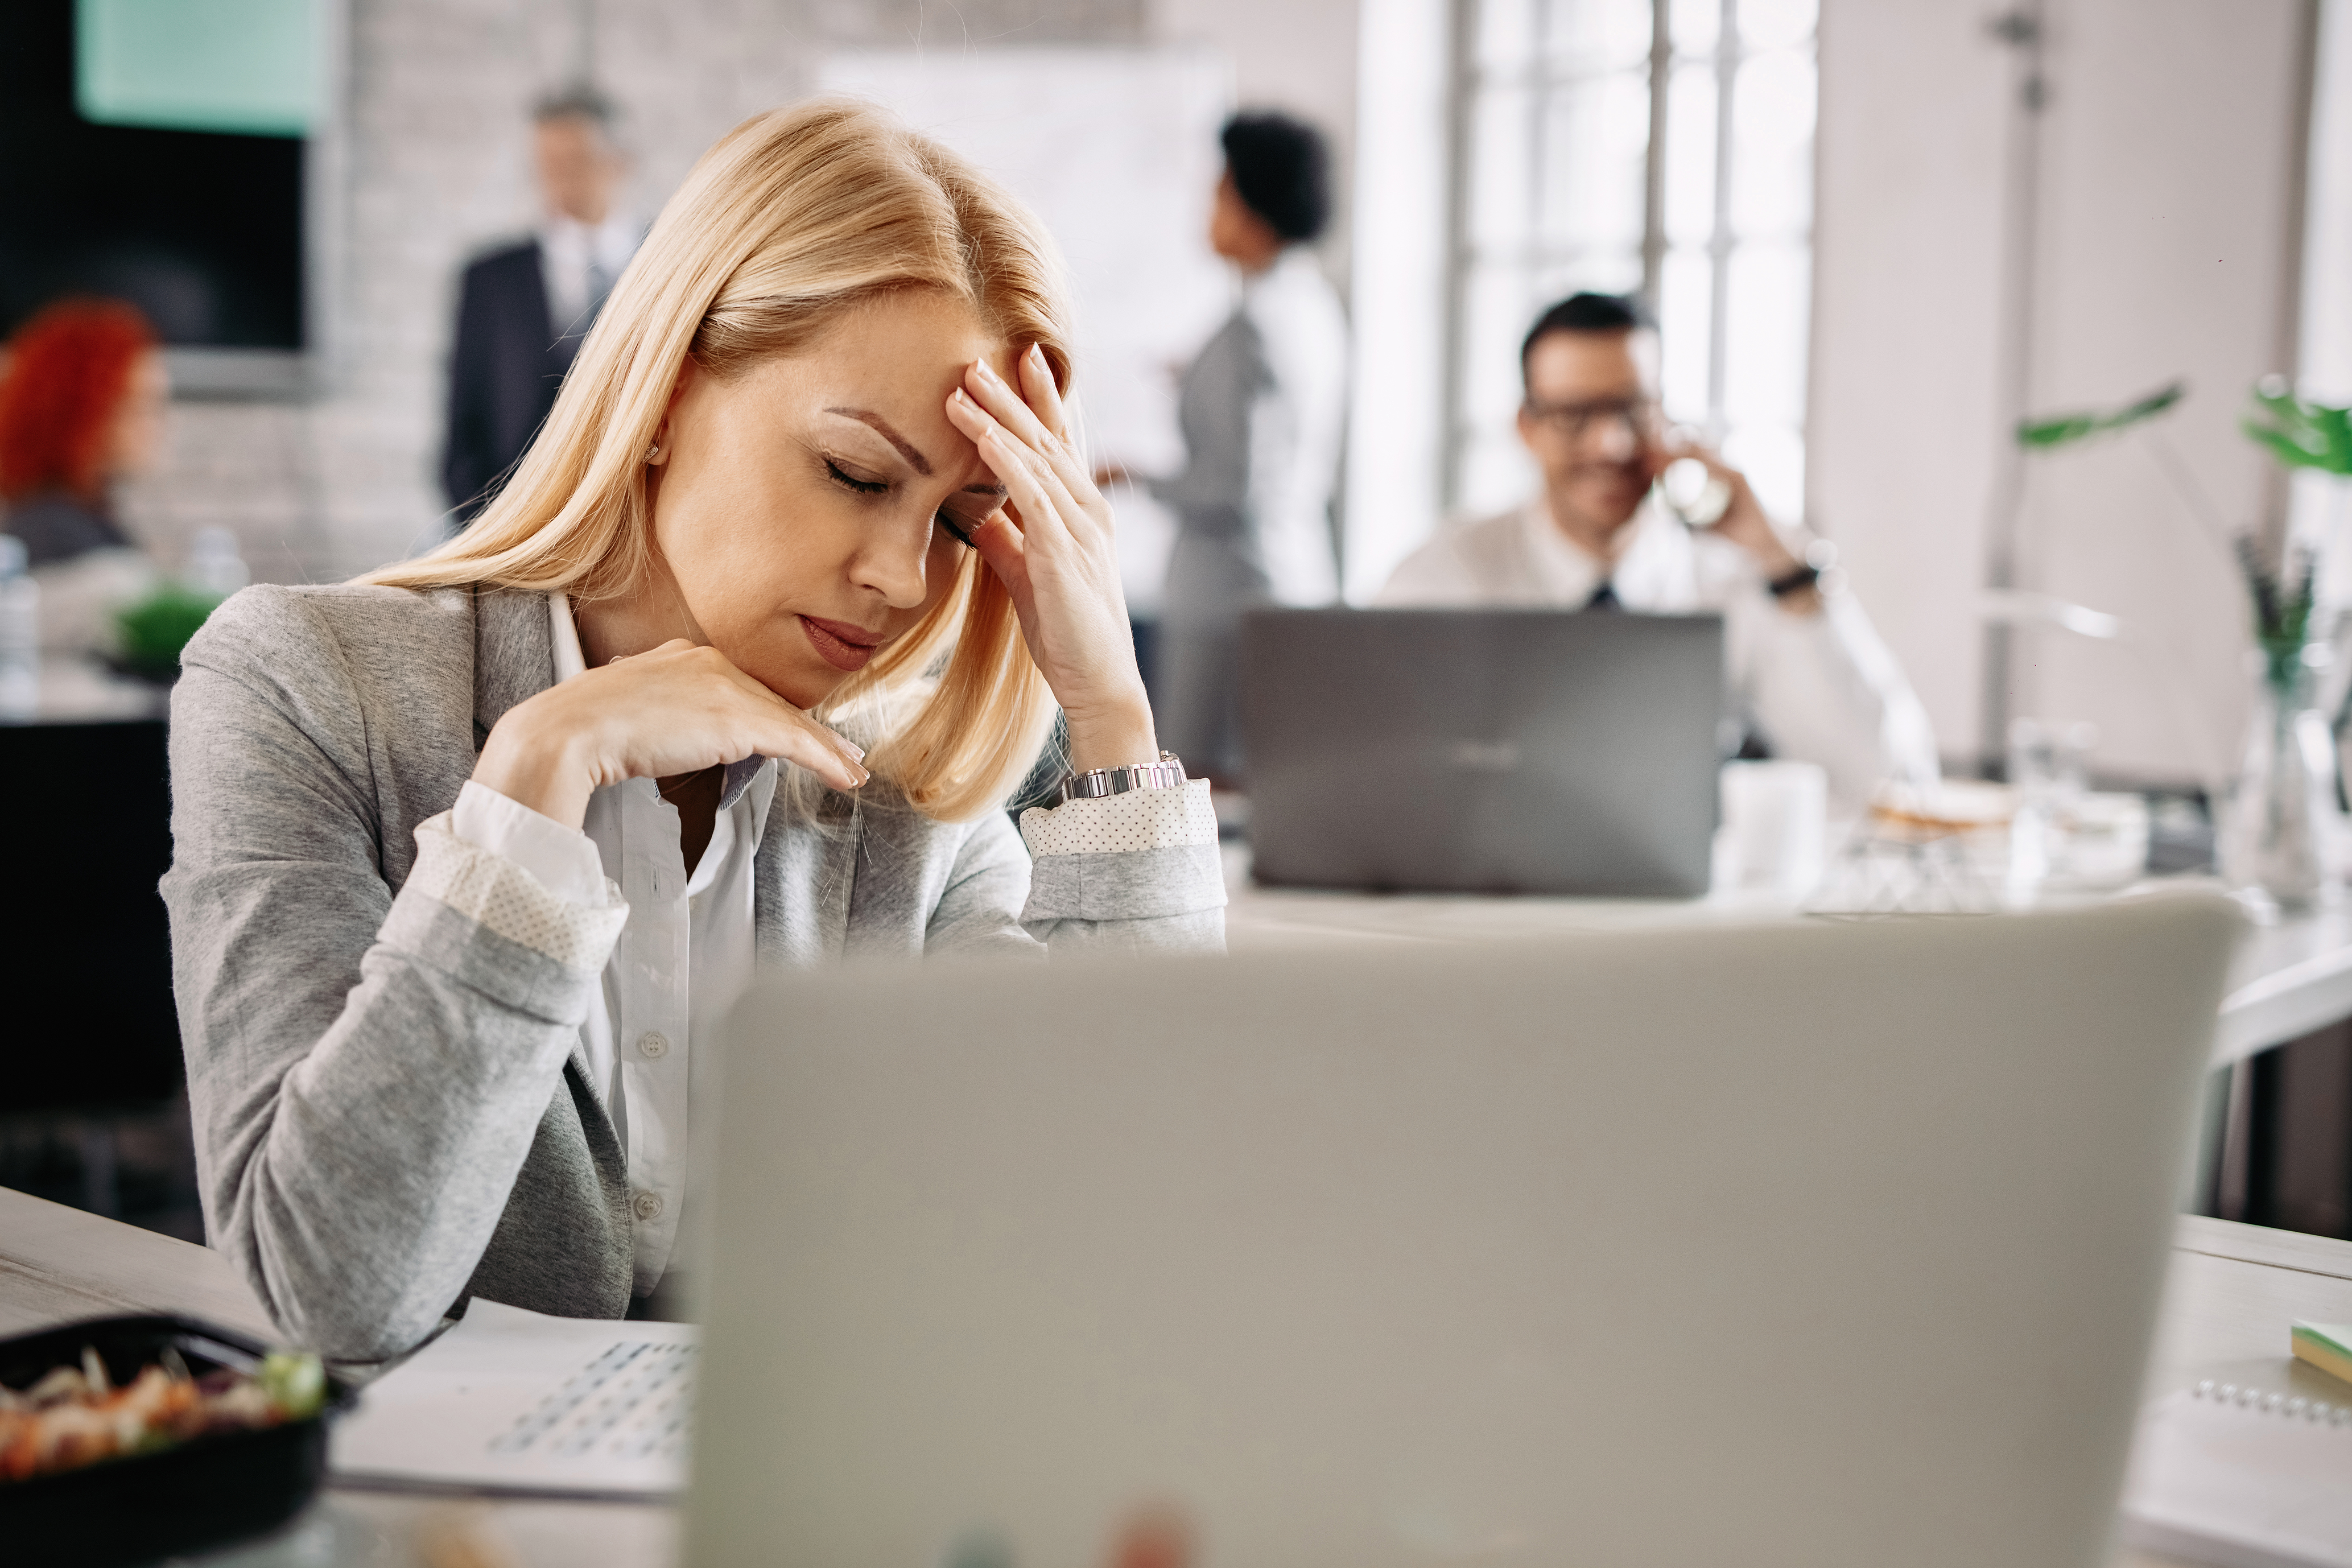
{"type": "Point", "coordinates": [1808, 676]}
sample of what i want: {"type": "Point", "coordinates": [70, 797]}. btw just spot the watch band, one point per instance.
{"type": "Point", "coordinates": [1803, 577]}
{"type": "Point", "coordinates": [1167, 773]}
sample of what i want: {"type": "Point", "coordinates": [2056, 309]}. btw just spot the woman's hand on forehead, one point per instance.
{"type": "Point", "coordinates": [1054, 545]}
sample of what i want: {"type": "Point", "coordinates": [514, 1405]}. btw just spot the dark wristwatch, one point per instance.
{"type": "Point", "coordinates": [1795, 582]}
{"type": "Point", "coordinates": [1167, 773]}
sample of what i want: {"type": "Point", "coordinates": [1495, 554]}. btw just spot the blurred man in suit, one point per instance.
{"type": "Point", "coordinates": [524, 310]}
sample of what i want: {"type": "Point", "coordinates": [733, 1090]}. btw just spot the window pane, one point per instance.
{"type": "Point", "coordinates": [1774, 23]}
{"type": "Point", "coordinates": [1506, 34]}
{"type": "Point", "coordinates": [1599, 34]}
{"type": "Point", "coordinates": [1496, 311]}
{"type": "Point", "coordinates": [1773, 100]}
{"type": "Point", "coordinates": [1596, 144]}
{"type": "Point", "coordinates": [1695, 25]}
{"type": "Point", "coordinates": [1690, 155]}
{"type": "Point", "coordinates": [1773, 458]}
{"type": "Point", "coordinates": [1557, 167]}
{"type": "Point", "coordinates": [1502, 174]}
{"type": "Point", "coordinates": [1767, 304]}
{"type": "Point", "coordinates": [1497, 473]}
{"type": "Point", "coordinates": [1611, 271]}
{"type": "Point", "coordinates": [1685, 311]}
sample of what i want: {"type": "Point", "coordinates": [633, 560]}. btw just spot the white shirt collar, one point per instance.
{"type": "Point", "coordinates": [565, 634]}
{"type": "Point", "coordinates": [1652, 564]}
{"type": "Point", "coordinates": [611, 242]}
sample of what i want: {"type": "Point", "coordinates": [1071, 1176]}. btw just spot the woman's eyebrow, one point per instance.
{"type": "Point", "coordinates": [881, 428]}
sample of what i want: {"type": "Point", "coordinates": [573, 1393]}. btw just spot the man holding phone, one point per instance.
{"type": "Point", "coordinates": [1807, 675]}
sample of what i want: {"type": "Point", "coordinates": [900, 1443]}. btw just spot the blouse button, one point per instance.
{"type": "Point", "coordinates": [649, 1206]}
{"type": "Point", "coordinates": [654, 1044]}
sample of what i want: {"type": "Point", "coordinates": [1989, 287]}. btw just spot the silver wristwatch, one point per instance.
{"type": "Point", "coordinates": [1167, 773]}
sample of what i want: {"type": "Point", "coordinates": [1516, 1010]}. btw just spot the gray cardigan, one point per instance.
{"type": "Point", "coordinates": [392, 1107]}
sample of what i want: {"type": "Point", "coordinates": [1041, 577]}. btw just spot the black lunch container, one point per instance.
{"type": "Point", "coordinates": [202, 1493]}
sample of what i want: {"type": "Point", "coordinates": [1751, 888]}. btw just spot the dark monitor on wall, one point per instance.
{"type": "Point", "coordinates": [153, 151]}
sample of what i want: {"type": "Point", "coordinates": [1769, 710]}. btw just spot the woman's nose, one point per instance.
{"type": "Point", "coordinates": [892, 565]}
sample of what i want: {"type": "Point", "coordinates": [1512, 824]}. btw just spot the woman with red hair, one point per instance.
{"type": "Point", "coordinates": [82, 394]}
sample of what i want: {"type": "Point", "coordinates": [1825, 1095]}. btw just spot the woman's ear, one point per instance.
{"type": "Point", "coordinates": [658, 453]}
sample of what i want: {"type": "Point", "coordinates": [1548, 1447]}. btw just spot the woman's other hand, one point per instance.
{"type": "Point", "coordinates": [1052, 545]}
{"type": "Point", "coordinates": [677, 708]}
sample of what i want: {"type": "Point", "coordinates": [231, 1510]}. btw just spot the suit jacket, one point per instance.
{"type": "Point", "coordinates": [505, 366]}
{"type": "Point", "coordinates": [392, 1110]}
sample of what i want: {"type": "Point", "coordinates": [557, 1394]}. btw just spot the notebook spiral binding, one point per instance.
{"type": "Point", "coordinates": [2313, 1410]}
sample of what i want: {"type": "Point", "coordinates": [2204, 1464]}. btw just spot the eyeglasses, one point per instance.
{"type": "Point", "coordinates": [1575, 421]}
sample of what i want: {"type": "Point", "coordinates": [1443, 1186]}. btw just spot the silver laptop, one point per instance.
{"type": "Point", "coordinates": [1527, 751]}
{"type": "Point", "coordinates": [1826, 1244]}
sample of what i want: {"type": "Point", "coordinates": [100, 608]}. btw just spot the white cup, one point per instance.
{"type": "Point", "coordinates": [1775, 828]}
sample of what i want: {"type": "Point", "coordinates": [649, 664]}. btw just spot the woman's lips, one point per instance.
{"type": "Point", "coordinates": [840, 643]}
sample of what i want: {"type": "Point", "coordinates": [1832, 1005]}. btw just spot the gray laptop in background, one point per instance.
{"type": "Point", "coordinates": [1486, 750]}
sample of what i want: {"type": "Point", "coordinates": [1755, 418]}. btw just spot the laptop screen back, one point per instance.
{"type": "Point", "coordinates": [1495, 751]}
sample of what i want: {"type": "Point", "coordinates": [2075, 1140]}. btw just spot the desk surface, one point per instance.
{"type": "Point", "coordinates": [2290, 977]}
{"type": "Point", "coordinates": [2232, 1292]}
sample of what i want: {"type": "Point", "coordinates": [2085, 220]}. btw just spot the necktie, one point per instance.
{"type": "Point", "coordinates": [1604, 597]}
{"type": "Point", "coordinates": [600, 284]}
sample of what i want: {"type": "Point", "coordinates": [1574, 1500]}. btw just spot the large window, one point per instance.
{"type": "Point", "coordinates": [1664, 146]}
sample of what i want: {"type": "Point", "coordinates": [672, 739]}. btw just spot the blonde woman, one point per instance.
{"type": "Point", "coordinates": [470, 857]}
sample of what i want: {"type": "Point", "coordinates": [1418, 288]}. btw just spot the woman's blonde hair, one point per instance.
{"type": "Point", "coordinates": [794, 218]}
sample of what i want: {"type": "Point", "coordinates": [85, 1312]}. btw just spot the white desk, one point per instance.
{"type": "Point", "coordinates": [2231, 1293]}
{"type": "Point", "coordinates": [2288, 980]}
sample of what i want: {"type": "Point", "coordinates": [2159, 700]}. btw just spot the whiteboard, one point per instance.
{"type": "Point", "coordinates": [1116, 151]}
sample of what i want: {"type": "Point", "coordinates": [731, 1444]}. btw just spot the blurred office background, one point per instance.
{"type": "Point", "coordinates": [1879, 233]}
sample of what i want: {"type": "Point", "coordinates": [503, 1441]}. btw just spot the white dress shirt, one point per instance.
{"type": "Point", "coordinates": [580, 263]}
{"type": "Point", "coordinates": [685, 956]}
{"type": "Point", "coordinates": [1296, 423]}
{"type": "Point", "coordinates": [1819, 688]}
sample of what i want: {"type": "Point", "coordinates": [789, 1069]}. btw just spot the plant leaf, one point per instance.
{"type": "Point", "coordinates": [2059, 430]}
{"type": "Point", "coordinates": [2300, 434]}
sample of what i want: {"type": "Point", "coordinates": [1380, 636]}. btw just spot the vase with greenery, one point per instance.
{"type": "Point", "coordinates": [2274, 825]}
{"type": "Point", "coordinates": [2283, 807]}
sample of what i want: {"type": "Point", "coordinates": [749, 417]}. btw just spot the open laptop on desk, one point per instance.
{"type": "Point", "coordinates": [1834, 1245]}
{"type": "Point", "coordinates": [1482, 751]}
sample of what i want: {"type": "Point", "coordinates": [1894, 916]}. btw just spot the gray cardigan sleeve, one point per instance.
{"type": "Point", "coordinates": [366, 1072]}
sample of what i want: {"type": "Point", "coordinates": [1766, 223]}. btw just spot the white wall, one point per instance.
{"type": "Point", "coordinates": [2323, 506]}
{"type": "Point", "coordinates": [1398, 307]}
{"type": "Point", "coordinates": [1906, 259]}
{"type": "Point", "coordinates": [2163, 224]}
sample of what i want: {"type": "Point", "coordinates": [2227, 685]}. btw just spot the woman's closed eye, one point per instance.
{"type": "Point", "coordinates": [958, 529]}
{"type": "Point", "coordinates": [851, 482]}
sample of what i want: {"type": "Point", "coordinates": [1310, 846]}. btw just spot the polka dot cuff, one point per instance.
{"type": "Point", "coordinates": [510, 900]}
{"type": "Point", "coordinates": [1122, 823]}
